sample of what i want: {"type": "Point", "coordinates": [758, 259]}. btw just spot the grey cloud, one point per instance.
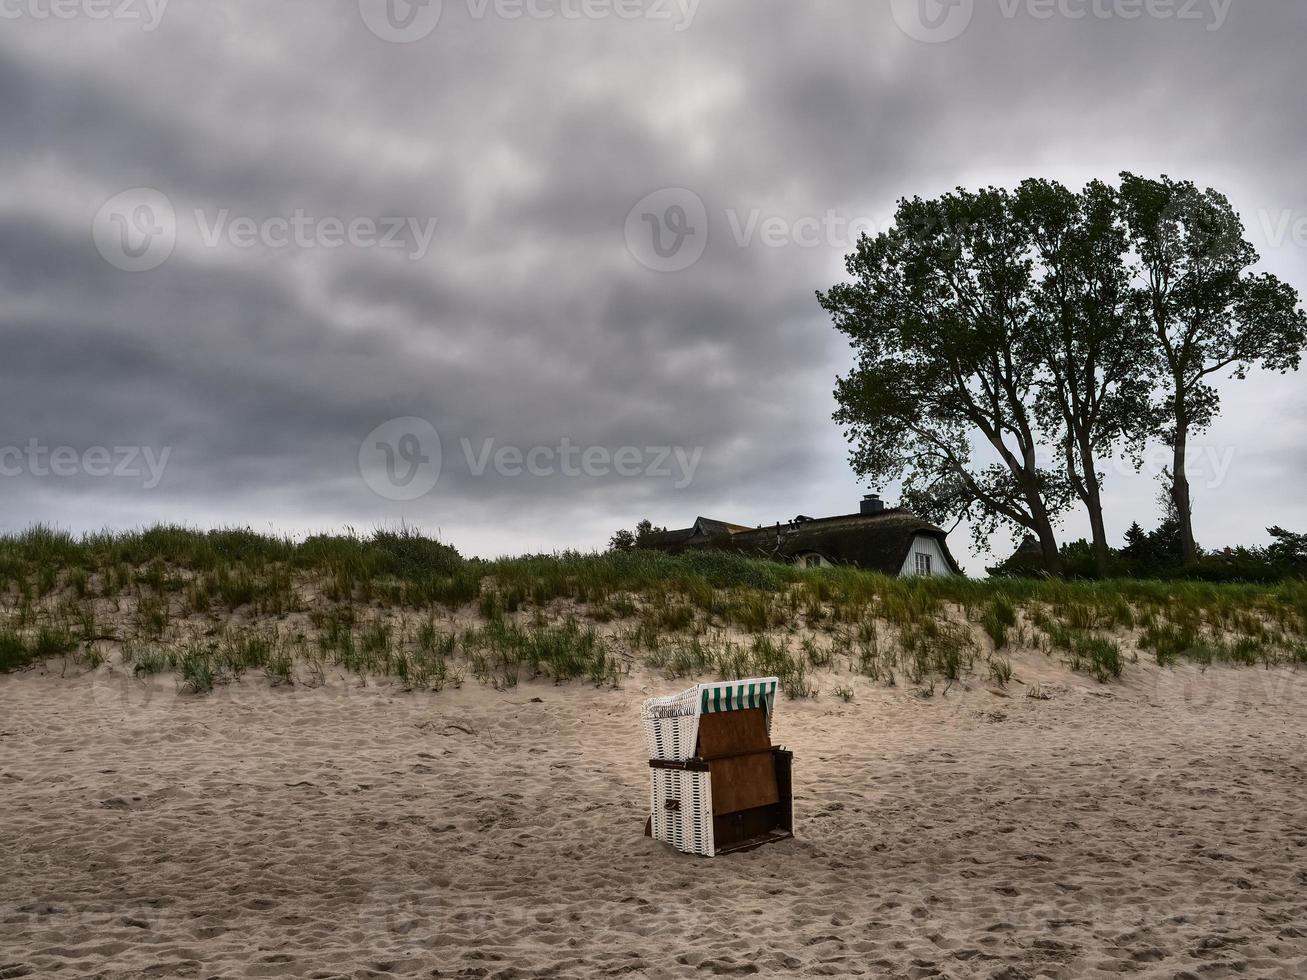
{"type": "Point", "coordinates": [528, 321]}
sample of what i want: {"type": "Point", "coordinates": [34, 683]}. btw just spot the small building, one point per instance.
{"type": "Point", "coordinates": [889, 540]}
{"type": "Point", "coordinates": [1026, 562]}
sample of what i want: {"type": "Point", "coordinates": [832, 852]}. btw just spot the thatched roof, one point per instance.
{"type": "Point", "coordinates": [877, 542]}
{"type": "Point", "coordinates": [706, 525]}
{"type": "Point", "coordinates": [704, 529]}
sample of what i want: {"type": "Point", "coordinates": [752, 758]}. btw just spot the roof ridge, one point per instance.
{"type": "Point", "coordinates": [713, 520]}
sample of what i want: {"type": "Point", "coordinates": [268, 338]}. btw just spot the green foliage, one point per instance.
{"type": "Point", "coordinates": [705, 614]}
{"type": "Point", "coordinates": [1085, 650]}
{"type": "Point", "coordinates": [1158, 555]}
{"type": "Point", "coordinates": [14, 651]}
{"type": "Point", "coordinates": [563, 652]}
{"type": "Point", "coordinates": [53, 641]}
{"type": "Point", "coordinates": [148, 660]}
{"type": "Point", "coordinates": [197, 671]}
{"type": "Point", "coordinates": [1288, 548]}
{"type": "Point", "coordinates": [691, 657]}
{"type": "Point", "coordinates": [940, 357]}
{"type": "Point", "coordinates": [1100, 656]}
{"type": "Point", "coordinates": [998, 618]}
{"type": "Point", "coordinates": [1000, 671]}
{"type": "Point", "coordinates": [1044, 323]}
{"type": "Point", "coordinates": [625, 540]}
{"type": "Point", "coordinates": [1207, 313]}
{"type": "Point", "coordinates": [407, 554]}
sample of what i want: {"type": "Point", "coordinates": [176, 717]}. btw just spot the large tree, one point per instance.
{"type": "Point", "coordinates": [1093, 347]}
{"type": "Point", "coordinates": [939, 312]}
{"type": "Point", "coordinates": [1208, 315]}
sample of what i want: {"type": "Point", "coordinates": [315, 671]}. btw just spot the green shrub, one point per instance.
{"type": "Point", "coordinates": [14, 651]}
{"type": "Point", "coordinates": [998, 618]}
{"type": "Point", "coordinates": [407, 554]}
{"type": "Point", "coordinates": [197, 670]}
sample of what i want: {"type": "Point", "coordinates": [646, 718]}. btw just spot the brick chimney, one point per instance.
{"type": "Point", "coordinates": [872, 504]}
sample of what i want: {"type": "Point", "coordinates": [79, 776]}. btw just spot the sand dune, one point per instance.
{"type": "Point", "coordinates": [1156, 828]}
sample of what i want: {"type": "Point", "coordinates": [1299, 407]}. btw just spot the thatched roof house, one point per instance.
{"type": "Point", "coordinates": [893, 541]}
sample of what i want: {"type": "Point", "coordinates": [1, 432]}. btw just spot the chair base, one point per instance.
{"type": "Point", "coordinates": [771, 837]}
{"type": "Point", "coordinates": [683, 798]}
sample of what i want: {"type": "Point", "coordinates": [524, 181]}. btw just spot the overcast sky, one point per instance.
{"type": "Point", "coordinates": [256, 257]}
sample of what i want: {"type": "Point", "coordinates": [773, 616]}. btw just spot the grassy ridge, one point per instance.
{"type": "Point", "coordinates": [212, 605]}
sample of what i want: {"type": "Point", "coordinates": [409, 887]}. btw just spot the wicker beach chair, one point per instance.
{"type": "Point", "coordinates": [717, 784]}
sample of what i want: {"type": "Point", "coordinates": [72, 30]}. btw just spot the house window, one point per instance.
{"type": "Point", "coordinates": [923, 563]}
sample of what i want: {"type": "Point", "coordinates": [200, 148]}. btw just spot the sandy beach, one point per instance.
{"type": "Point", "coordinates": [1156, 827]}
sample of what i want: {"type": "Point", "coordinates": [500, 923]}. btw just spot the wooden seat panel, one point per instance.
{"type": "Point", "coordinates": [743, 782]}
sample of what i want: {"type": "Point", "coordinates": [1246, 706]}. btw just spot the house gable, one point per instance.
{"type": "Point", "coordinates": [926, 557]}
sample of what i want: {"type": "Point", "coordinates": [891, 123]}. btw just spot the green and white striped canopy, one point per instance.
{"type": "Point", "coordinates": [737, 695]}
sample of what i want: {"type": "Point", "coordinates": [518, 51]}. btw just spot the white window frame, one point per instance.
{"type": "Point", "coordinates": [923, 563]}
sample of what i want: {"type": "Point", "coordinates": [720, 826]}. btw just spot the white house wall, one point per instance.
{"type": "Point", "coordinates": [926, 545]}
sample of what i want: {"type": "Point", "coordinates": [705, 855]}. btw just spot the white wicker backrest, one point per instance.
{"type": "Point", "coordinates": [671, 723]}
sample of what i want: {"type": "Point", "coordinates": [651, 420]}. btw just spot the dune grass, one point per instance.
{"type": "Point", "coordinates": [209, 607]}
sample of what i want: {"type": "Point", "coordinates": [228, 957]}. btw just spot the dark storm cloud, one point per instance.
{"type": "Point", "coordinates": [528, 321]}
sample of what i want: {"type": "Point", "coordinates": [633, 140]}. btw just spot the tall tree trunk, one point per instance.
{"type": "Point", "coordinates": [1043, 529]}
{"type": "Point", "coordinates": [1180, 481]}
{"type": "Point", "coordinates": [1048, 546]}
{"type": "Point", "coordinates": [1180, 491]}
{"type": "Point", "coordinates": [1093, 501]}
{"type": "Point", "coordinates": [1102, 554]}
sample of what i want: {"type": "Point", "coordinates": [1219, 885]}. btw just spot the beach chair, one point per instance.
{"type": "Point", "coordinates": [717, 784]}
